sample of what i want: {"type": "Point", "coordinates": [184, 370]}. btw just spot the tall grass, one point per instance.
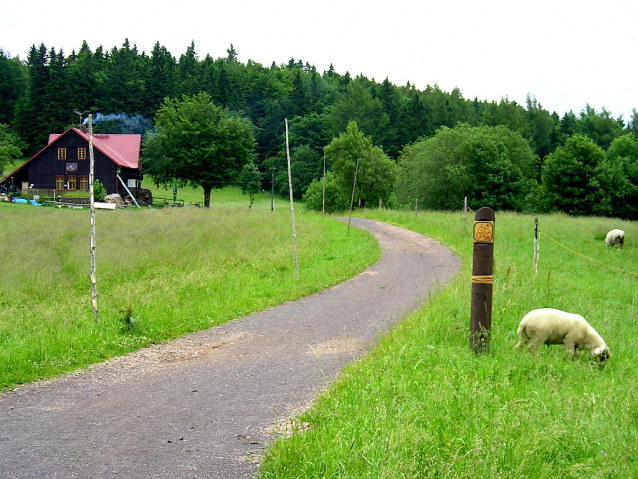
{"type": "Point", "coordinates": [161, 274]}
{"type": "Point", "coordinates": [421, 405]}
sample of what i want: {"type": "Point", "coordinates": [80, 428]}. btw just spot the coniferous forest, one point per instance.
{"type": "Point", "coordinates": [442, 146]}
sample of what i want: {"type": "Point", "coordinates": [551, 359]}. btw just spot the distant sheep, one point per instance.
{"type": "Point", "coordinates": [615, 237]}
{"type": "Point", "coordinates": [552, 326]}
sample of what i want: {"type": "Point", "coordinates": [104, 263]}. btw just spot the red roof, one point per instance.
{"type": "Point", "coordinates": [124, 150]}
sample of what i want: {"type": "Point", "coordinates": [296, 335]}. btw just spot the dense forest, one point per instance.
{"type": "Point", "coordinates": [51, 90]}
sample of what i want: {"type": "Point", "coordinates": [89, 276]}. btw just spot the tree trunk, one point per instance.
{"type": "Point", "coordinates": [207, 190]}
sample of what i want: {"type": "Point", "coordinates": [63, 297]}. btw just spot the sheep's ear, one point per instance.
{"type": "Point", "coordinates": [598, 351]}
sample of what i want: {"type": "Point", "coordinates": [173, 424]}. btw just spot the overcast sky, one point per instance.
{"type": "Point", "coordinates": [566, 53]}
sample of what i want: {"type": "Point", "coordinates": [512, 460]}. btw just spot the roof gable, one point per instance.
{"type": "Point", "coordinates": [122, 149]}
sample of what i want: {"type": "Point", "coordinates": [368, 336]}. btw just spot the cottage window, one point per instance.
{"type": "Point", "coordinates": [71, 182]}
{"type": "Point", "coordinates": [84, 183]}
{"type": "Point", "coordinates": [81, 153]}
{"type": "Point", "coordinates": [61, 153]}
{"type": "Point", "coordinates": [59, 182]}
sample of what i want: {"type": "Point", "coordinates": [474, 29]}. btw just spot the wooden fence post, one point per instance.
{"type": "Point", "coordinates": [292, 208]}
{"type": "Point", "coordinates": [482, 280]}
{"type": "Point", "coordinates": [535, 244]}
{"type": "Point", "coordinates": [465, 214]}
{"type": "Point", "coordinates": [272, 191]}
{"type": "Point", "coordinates": [354, 185]}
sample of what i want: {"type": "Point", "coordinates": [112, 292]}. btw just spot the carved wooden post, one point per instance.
{"type": "Point", "coordinates": [482, 280]}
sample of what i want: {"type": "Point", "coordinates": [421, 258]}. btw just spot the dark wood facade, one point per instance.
{"type": "Point", "coordinates": [64, 164]}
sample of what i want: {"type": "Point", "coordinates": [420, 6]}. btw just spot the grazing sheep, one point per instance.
{"type": "Point", "coordinates": [552, 326]}
{"type": "Point", "coordinates": [615, 237]}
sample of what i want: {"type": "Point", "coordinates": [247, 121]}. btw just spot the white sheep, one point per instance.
{"type": "Point", "coordinates": [552, 326]}
{"type": "Point", "coordinates": [615, 237]}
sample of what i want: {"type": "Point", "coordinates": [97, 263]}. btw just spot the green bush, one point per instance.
{"type": "Point", "coordinates": [335, 200]}
{"type": "Point", "coordinates": [99, 192]}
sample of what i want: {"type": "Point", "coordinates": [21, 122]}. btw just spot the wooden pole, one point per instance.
{"type": "Point", "coordinates": [92, 206]}
{"type": "Point", "coordinates": [323, 197]}
{"type": "Point", "coordinates": [482, 280]}
{"type": "Point", "coordinates": [292, 208]}
{"type": "Point", "coordinates": [354, 185]}
{"type": "Point", "coordinates": [416, 207]}
{"type": "Point", "coordinates": [272, 191]}
{"type": "Point", "coordinates": [465, 214]}
{"type": "Point", "coordinates": [535, 244]}
{"type": "Point", "coordinates": [131, 194]}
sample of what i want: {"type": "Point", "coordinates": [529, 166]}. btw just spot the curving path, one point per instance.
{"type": "Point", "coordinates": [205, 405]}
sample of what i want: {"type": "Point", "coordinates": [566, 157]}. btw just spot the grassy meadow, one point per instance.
{"type": "Point", "coordinates": [422, 405]}
{"type": "Point", "coordinates": [12, 167]}
{"type": "Point", "coordinates": [160, 274]}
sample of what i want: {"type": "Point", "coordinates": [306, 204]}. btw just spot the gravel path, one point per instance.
{"type": "Point", "coordinates": [205, 405]}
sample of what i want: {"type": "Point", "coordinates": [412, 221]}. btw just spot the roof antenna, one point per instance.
{"type": "Point", "coordinates": [81, 115]}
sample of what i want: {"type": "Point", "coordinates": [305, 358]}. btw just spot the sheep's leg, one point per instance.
{"type": "Point", "coordinates": [533, 346]}
{"type": "Point", "coordinates": [523, 338]}
{"type": "Point", "coordinates": [522, 341]}
{"type": "Point", "coordinates": [571, 349]}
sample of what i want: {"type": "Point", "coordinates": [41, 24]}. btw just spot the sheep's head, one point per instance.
{"type": "Point", "coordinates": [602, 354]}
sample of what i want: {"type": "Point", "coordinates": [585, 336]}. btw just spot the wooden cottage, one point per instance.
{"type": "Point", "coordinates": [63, 164]}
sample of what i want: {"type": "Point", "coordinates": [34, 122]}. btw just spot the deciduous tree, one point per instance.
{"type": "Point", "coordinates": [13, 85]}
{"type": "Point", "coordinates": [570, 182]}
{"type": "Point", "coordinates": [250, 181]}
{"type": "Point", "coordinates": [9, 147]}
{"type": "Point", "coordinates": [197, 143]}
{"type": "Point", "coordinates": [376, 173]}
{"type": "Point", "coordinates": [492, 166]}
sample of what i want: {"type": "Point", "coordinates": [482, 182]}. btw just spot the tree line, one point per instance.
{"type": "Point", "coordinates": [45, 93]}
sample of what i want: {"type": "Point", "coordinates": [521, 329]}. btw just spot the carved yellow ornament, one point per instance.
{"type": "Point", "coordinates": [483, 232]}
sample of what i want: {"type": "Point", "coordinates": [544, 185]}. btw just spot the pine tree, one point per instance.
{"type": "Point", "coordinates": [31, 124]}
{"type": "Point", "coordinates": [232, 54]}
{"type": "Point", "coordinates": [13, 85]}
